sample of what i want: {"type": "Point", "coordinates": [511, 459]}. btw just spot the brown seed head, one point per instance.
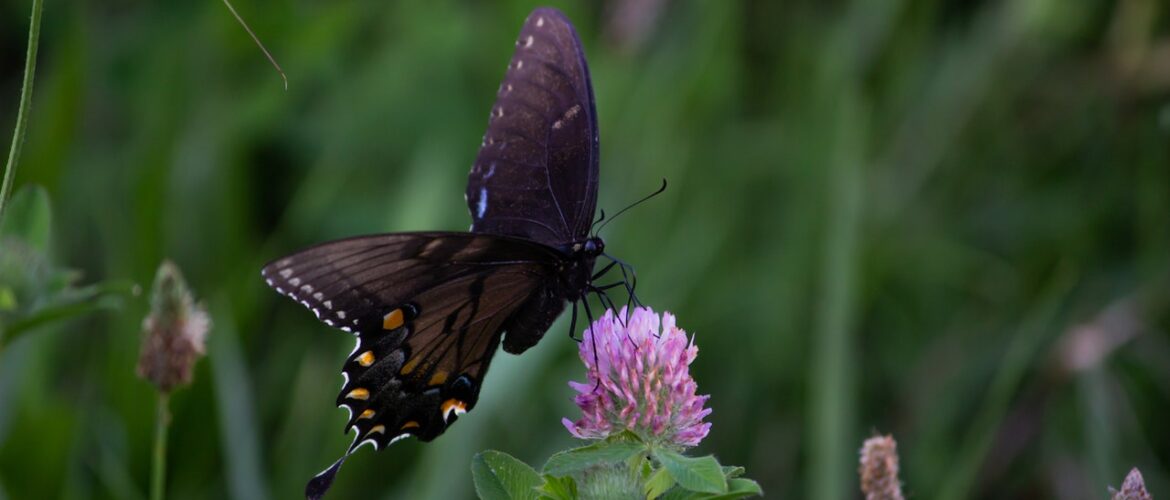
{"type": "Point", "coordinates": [879, 469]}
{"type": "Point", "coordinates": [174, 332]}
{"type": "Point", "coordinates": [1134, 488]}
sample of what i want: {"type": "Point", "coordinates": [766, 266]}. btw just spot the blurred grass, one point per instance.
{"type": "Point", "coordinates": [870, 206]}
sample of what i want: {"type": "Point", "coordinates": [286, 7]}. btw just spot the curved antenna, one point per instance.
{"type": "Point", "coordinates": [598, 221]}
{"type": "Point", "coordinates": [634, 204]}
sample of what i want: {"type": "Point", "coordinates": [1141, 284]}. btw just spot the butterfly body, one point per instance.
{"type": "Point", "coordinates": [430, 309]}
{"type": "Point", "coordinates": [574, 277]}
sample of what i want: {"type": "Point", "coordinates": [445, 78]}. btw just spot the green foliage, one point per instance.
{"type": "Point", "coordinates": [699, 474]}
{"type": "Point", "coordinates": [995, 146]}
{"type": "Point", "coordinates": [499, 476]}
{"type": "Point", "coordinates": [602, 469]}
{"type": "Point", "coordinates": [28, 218]}
{"type": "Point", "coordinates": [33, 291]}
{"type": "Point", "coordinates": [578, 459]}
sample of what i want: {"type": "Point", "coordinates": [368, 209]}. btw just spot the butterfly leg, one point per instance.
{"type": "Point", "coordinates": [629, 278]}
{"type": "Point", "coordinates": [589, 316]}
{"type": "Point", "coordinates": [603, 270]}
{"type": "Point", "coordinates": [573, 325]}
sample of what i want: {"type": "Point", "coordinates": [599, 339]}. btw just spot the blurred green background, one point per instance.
{"type": "Point", "coordinates": [946, 220]}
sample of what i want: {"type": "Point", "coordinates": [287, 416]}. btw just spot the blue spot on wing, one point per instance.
{"type": "Point", "coordinates": [481, 204]}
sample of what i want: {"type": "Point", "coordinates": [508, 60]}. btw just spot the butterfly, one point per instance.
{"type": "Point", "coordinates": [429, 309]}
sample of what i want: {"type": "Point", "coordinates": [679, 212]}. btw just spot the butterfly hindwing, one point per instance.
{"type": "Point", "coordinates": [428, 310]}
{"type": "Point", "coordinates": [536, 173]}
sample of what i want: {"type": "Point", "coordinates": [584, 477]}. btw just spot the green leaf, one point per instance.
{"type": "Point", "coordinates": [742, 487]}
{"type": "Point", "coordinates": [702, 474]}
{"type": "Point", "coordinates": [558, 488]}
{"type": "Point", "coordinates": [658, 483]}
{"type": "Point", "coordinates": [732, 471]}
{"type": "Point", "coordinates": [737, 488]}
{"type": "Point", "coordinates": [28, 217]}
{"type": "Point", "coordinates": [500, 476]}
{"type": "Point", "coordinates": [68, 304]}
{"type": "Point", "coordinates": [579, 459]}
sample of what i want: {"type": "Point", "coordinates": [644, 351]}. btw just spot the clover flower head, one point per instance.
{"type": "Point", "coordinates": [175, 332]}
{"type": "Point", "coordinates": [639, 380]}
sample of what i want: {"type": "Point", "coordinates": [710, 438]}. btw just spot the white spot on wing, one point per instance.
{"type": "Point", "coordinates": [318, 296]}
{"type": "Point", "coordinates": [540, 21]}
{"type": "Point", "coordinates": [285, 273]}
{"type": "Point", "coordinates": [528, 41]}
{"type": "Point", "coordinates": [481, 205]}
{"type": "Point", "coordinates": [328, 304]}
{"type": "Point", "coordinates": [341, 314]}
{"type": "Point", "coordinates": [295, 282]}
{"type": "Point", "coordinates": [519, 63]}
{"type": "Point", "coordinates": [399, 437]}
{"type": "Point", "coordinates": [307, 288]}
{"type": "Point", "coordinates": [491, 171]}
{"type": "Point", "coordinates": [569, 115]}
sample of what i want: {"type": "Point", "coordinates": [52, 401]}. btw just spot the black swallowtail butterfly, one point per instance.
{"type": "Point", "coordinates": [430, 308]}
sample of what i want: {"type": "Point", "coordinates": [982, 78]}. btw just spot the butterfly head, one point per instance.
{"type": "Point", "coordinates": [591, 247]}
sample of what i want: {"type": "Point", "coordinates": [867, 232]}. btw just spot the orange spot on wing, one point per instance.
{"type": "Point", "coordinates": [410, 425]}
{"type": "Point", "coordinates": [366, 414]}
{"type": "Point", "coordinates": [366, 358]}
{"type": "Point", "coordinates": [453, 405]}
{"type": "Point", "coordinates": [380, 429]}
{"type": "Point", "coordinates": [410, 365]}
{"type": "Point", "coordinates": [393, 319]}
{"type": "Point", "coordinates": [358, 393]}
{"type": "Point", "coordinates": [438, 378]}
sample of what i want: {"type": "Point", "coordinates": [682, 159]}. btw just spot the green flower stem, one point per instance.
{"type": "Point", "coordinates": [30, 66]}
{"type": "Point", "coordinates": [159, 463]}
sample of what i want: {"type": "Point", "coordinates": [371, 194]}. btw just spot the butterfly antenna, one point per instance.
{"type": "Point", "coordinates": [598, 221]}
{"type": "Point", "coordinates": [256, 39]}
{"type": "Point", "coordinates": [634, 204]}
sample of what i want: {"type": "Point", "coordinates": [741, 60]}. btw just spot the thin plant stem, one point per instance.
{"type": "Point", "coordinates": [258, 44]}
{"type": "Point", "coordinates": [159, 462]}
{"type": "Point", "coordinates": [26, 88]}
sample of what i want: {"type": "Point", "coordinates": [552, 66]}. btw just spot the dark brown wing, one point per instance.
{"type": "Point", "coordinates": [427, 310]}
{"type": "Point", "coordinates": [536, 173]}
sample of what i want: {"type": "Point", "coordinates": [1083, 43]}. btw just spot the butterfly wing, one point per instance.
{"type": "Point", "coordinates": [536, 173]}
{"type": "Point", "coordinates": [428, 310]}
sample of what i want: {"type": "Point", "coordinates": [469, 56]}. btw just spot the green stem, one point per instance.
{"type": "Point", "coordinates": [30, 66]}
{"type": "Point", "coordinates": [159, 466]}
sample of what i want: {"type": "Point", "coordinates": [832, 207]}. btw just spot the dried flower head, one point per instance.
{"type": "Point", "coordinates": [879, 469]}
{"type": "Point", "coordinates": [1134, 487]}
{"type": "Point", "coordinates": [175, 331]}
{"type": "Point", "coordinates": [639, 380]}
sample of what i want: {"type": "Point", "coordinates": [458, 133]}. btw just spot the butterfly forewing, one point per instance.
{"type": "Point", "coordinates": [536, 173]}
{"type": "Point", "coordinates": [427, 310]}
